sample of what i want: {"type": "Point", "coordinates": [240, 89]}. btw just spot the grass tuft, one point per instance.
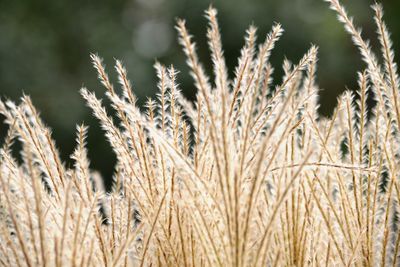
{"type": "Point", "coordinates": [247, 175]}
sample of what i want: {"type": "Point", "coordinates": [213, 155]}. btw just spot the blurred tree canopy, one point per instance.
{"type": "Point", "coordinates": [45, 47]}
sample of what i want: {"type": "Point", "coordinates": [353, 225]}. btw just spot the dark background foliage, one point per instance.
{"type": "Point", "coordinates": [45, 46]}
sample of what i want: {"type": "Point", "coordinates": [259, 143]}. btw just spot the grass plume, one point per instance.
{"type": "Point", "coordinates": [247, 175]}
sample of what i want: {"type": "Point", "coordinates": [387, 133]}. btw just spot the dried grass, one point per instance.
{"type": "Point", "coordinates": [248, 175]}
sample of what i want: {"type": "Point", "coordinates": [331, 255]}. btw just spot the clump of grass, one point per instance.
{"type": "Point", "coordinates": [247, 175]}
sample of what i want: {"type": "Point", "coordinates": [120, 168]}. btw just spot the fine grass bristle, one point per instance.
{"type": "Point", "coordinates": [247, 175]}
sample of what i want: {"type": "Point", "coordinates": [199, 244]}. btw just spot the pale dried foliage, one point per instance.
{"type": "Point", "coordinates": [248, 175]}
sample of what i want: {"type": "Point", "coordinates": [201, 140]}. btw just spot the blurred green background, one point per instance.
{"type": "Point", "coordinates": [45, 46]}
